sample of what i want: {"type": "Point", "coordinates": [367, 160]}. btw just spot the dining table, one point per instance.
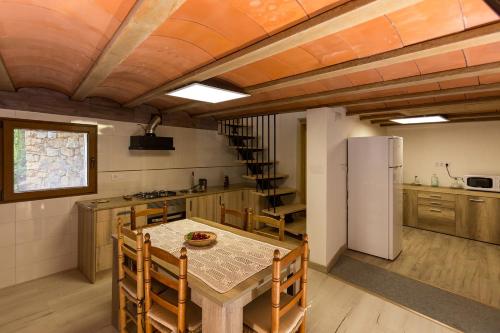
{"type": "Point", "coordinates": [221, 298]}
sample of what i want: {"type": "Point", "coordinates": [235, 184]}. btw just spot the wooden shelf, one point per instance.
{"type": "Point", "coordinates": [278, 191]}
{"type": "Point", "coordinates": [285, 209]}
{"type": "Point", "coordinates": [264, 176]}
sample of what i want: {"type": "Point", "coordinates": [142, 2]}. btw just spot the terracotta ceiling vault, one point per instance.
{"type": "Point", "coordinates": [378, 58]}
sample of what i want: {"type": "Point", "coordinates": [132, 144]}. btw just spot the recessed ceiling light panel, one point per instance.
{"type": "Point", "coordinates": [420, 120]}
{"type": "Point", "coordinates": [204, 93]}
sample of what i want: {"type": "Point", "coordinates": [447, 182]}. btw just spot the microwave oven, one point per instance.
{"type": "Point", "coordinates": [482, 183]}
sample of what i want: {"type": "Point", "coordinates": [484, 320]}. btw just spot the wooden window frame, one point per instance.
{"type": "Point", "coordinates": [7, 154]}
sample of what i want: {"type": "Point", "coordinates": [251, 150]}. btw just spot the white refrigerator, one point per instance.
{"type": "Point", "coordinates": [375, 195]}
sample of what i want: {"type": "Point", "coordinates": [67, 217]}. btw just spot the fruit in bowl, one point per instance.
{"type": "Point", "coordinates": [200, 238]}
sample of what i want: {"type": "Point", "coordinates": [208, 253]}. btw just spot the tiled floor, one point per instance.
{"type": "Point", "coordinates": [65, 302]}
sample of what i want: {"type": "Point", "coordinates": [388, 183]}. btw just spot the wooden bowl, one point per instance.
{"type": "Point", "coordinates": [212, 237]}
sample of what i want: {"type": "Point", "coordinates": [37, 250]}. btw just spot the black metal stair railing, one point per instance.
{"type": "Point", "coordinates": [254, 139]}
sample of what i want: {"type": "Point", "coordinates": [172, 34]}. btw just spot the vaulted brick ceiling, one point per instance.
{"type": "Point", "coordinates": [55, 44]}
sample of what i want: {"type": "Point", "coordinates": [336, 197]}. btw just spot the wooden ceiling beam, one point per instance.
{"type": "Point", "coordinates": [494, 116]}
{"type": "Point", "coordinates": [5, 80]}
{"type": "Point", "coordinates": [458, 41]}
{"type": "Point", "coordinates": [144, 18]}
{"type": "Point", "coordinates": [433, 93]}
{"type": "Point", "coordinates": [451, 116]}
{"type": "Point", "coordinates": [470, 38]}
{"type": "Point", "coordinates": [467, 106]}
{"type": "Point", "coordinates": [334, 20]}
{"type": "Point", "coordinates": [473, 71]}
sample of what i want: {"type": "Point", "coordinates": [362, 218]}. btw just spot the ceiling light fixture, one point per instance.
{"type": "Point", "coordinates": [420, 120]}
{"type": "Point", "coordinates": [205, 93]}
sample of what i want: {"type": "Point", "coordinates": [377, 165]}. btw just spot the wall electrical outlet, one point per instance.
{"type": "Point", "coordinates": [440, 164]}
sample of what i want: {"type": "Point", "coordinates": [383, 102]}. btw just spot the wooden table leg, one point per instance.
{"type": "Point", "coordinates": [217, 318]}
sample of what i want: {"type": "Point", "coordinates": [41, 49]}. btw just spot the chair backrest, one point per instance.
{"type": "Point", "coordinates": [180, 284]}
{"type": "Point", "coordinates": [147, 212]}
{"type": "Point", "coordinates": [242, 216]}
{"type": "Point", "coordinates": [253, 219]}
{"type": "Point", "coordinates": [278, 310]}
{"type": "Point", "coordinates": [134, 255]}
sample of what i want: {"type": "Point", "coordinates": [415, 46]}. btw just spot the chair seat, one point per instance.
{"type": "Point", "coordinates": [257, 315]}
{"type": "Point", "coordinates": [130, 287]}
{"type": "Point", "coordinates": [166, 321]}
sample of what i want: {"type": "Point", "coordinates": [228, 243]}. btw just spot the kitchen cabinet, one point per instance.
{"type": "Point", "coordinates": [202, 206]}
{"type": "Point", "coordinates": [436, 212]}
{"type": "Point", "coordinates": [95, 230]}
{"type": "Point", "coordinates": [106, 224]}
{"type": "Point", "coordinates": [208, 206]}
{"type": "Point", "coordinates": [457, 212]}
{"type": "Point", "coordinates": [479, 218]}
{"type": "Point", "coordinates": [436, 219]}
{"type": "Point", "coordinates": [410, 208]}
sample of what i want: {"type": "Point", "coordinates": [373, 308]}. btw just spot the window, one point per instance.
{"type": "Point", "coordinates": [46, 159]}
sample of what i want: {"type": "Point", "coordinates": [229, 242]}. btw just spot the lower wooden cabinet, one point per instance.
{"type": "Point", "coordinates": [436, 219]}
{"type": "Point", "coordinates": [203, 206]}
{"type": "Point", "coordinates": [106, 224]}
{"type": "Point", "coordinates": [208, 206]}
{"type": "Point", "coordinates": [460, 214]}
{"type": "Point", "coordinates": [410, 214]}
{"type": "Point", "coordinates": [478, 218]}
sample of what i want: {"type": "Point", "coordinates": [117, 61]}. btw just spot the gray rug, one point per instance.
{"type": "Point", "coordinates": [453, 310]}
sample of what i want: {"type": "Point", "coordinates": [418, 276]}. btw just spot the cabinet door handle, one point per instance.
{"type": "Point", "coordinates": [435, 210]}
{"type": "Point", "coordinates": [476, 200]}
{"type": "Point", "coordinates": [435, 196]}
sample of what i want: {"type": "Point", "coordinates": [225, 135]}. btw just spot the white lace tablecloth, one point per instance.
{"type": "Point", "coordinates": [232, 260]}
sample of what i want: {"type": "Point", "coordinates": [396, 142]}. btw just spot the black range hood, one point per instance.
{"type": "Point", "coordinates": [149, 141]}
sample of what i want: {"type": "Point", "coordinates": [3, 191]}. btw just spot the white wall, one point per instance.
{"type": "Point", "coordinates": [470, 148]}
{"type": "Point", "coordinates": [287, 147]}
{"type": "Point", "coordinates": [39, 238]}
{"type": "Point", "coordinates": [327, 133]}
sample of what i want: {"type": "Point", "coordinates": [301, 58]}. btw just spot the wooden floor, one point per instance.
{"type": "Point", "coordinates": [65, 302]}
{"type": "Point", "coordinates": [461, 266]}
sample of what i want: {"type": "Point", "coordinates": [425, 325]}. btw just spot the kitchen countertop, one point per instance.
{"type": "Point", "coordinates": [451, 190]}
{"type": "Point", "coordinates": [118, 202]}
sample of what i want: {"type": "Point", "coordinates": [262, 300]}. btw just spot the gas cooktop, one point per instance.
{"type": "Point", "coordinates": [154, 194]}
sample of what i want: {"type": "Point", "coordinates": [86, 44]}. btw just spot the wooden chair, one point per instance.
{"type": "Point", "coordinates": [242, 216]}
{"type": "Point", "coordinates": [148, 212]}
{"type": "Point", "coordinates": [131, 277]}
{"type": "Point", "coordinates": [253, 219]}
{"type": "Point", "coordinates": [168, 311]}
{"type": "Point", "coordinates": [291, 316]}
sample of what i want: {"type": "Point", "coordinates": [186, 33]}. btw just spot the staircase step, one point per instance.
{"type": "Point", "coordinates": [236, 125]}
{"type": "Point", "coordinates": [243, 137]}
{"type": "Point", "coordinates": [297, 226]}
{"type": "Point", "coordinates": [265, 176]}
{"type": "Point", "coordinates": [246, 148]}
{"type": "Point", "coordinates": [285, 209]}
{"type": "Point", "coordinates": [278, 191]}
{"type": "Point", "coordinates": [256, 162]}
